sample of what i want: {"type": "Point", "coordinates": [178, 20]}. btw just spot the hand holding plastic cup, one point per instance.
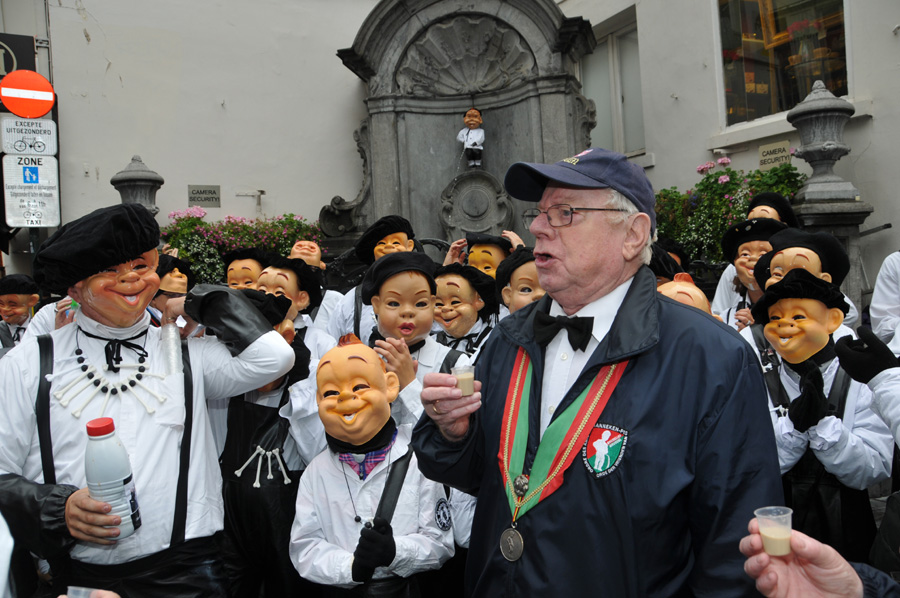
{"type": "Point", "coordinates": [775, 529]}
{"type": "Point", "coordinates": [465, 378]}
{"type": "Point", "coordinates": [77, 592]}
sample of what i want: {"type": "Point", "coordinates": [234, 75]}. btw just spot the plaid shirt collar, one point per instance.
{"type": "Point", "coordinates": [364, 468]}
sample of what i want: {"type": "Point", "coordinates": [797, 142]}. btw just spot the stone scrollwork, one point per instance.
{"type": "Point", "coordinates": [339, 216]}
{"type": "Point", "coordinates": [465, 55]}
{"type": "Point", "coordinates": [585, 121]}
{"type": "Point", "coordinates": [475, 201]}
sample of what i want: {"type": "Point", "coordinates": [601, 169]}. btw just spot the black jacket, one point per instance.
{"type": "Point", "coordinates": [699, 456]}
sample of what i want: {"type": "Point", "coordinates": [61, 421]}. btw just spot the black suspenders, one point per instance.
{"type": "Point", "coordinates": [42, 411]}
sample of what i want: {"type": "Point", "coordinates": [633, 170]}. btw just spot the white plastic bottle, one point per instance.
{"type": "Point", "coordinates": [108, 472]}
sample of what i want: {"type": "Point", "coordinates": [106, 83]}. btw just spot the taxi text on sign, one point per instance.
{"type": "Point", "coordinates": [31, 191]}
{"type": "Point", "coordinates": [35, 137]}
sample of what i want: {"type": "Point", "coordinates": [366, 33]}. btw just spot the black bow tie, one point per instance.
{"type": "Point", "coordinates": [114, 348]}
{"type": "Point", "coordinates": [17, 335]}
{"type": "Point", "coordinates": [376, 336]}
{"type": "Point", "coordinates": [471, 340]}
{"type": "Point", "coordinates": [579, 329]}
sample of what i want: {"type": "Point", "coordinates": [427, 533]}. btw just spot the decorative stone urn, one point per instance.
{"type": "Point", "coordinates": [138, 184]}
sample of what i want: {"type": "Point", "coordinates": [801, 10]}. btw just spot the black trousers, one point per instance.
{"type": "Point", "coordinates": [192, 569]}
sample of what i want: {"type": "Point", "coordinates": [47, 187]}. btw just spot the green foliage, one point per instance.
{"type": "Point", "coordinates": [203, 243]}
{"type": "Point", "coordinates": [699, 217]}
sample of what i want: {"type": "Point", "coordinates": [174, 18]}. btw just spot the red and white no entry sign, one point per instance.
{"type": "Point", "coordinates": [26, 94]}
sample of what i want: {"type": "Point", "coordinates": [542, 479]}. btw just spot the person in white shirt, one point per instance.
{"type": "Point", "coordinates": [885, 306]}
{"type": "Point", "coordinates": [111, 363]}
{"type": "Point", "coordinates": [18, 296]}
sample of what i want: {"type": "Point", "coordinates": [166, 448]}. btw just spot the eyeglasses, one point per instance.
{"type": "Point", "coordinates": [560, 214]}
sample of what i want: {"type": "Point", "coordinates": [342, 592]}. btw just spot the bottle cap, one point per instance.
{"type": "Point", "coordinates": [101, 426]}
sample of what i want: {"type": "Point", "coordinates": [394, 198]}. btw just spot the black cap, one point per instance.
{"type": "Point", "coordinates": [594, 168]}
{"type": "Point", "coordinates": [662, 264]}
{"type": "Point", "coordinates": [777, 202]}
{"type": "Point", "coordinates": [485, 239]}
{"type": "Point", "coordinates": [798, 284]}
{"type": "Point", "coordinates": [481, 282]}
{"type": "Point", "coordinates": [673, 246]}
{"type": "Point", "coordinates": [758, 229]}
{"type": "Point", "coordinates": [104, 238]}
{"type": "Point", "coordinates": [393, 264]}
{"type": "Point", "coordinates": [274, 308]}
{"type": "Point", "coordinates": [830, 251]}
{"type": "Point", "coordinates": [309, 278]}
{"type": "Point", "coordinates": [388, 225]}
{"type": "Point", "coordinates": [244, 253]}
{"type": "Point", "coordinates": [521, 256]}
{"type": "Point", "coordinates": [18, 284]}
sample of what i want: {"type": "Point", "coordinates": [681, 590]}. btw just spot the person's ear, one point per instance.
{"type": "Point", "coordinates": [75, 292]}
{"type": "Point", "coordinates": [302, 301]}
{"type": "Point", "coordinates": [392, 382]}
{"type": "Point", "coordinates": [376, 304]}
{"type": "Point", "coordinates": [506, 294]}
{"type": "Point", "coordinates": [32, 300]}
{"type": "Point", "coordinates": [286, 330]}
{"type": "Point", "coordinates": [410, 244]}
{"type": "Point", "coordinates": [322, 266]}
{"type": "Point", "coordinates": [479, 302]}
{"type": "Point", "coordinates": [825, 276]}
{"type": "Point", "coordinates": [636, 236]}
{"type": "Point", "coordinates": [834, 319]}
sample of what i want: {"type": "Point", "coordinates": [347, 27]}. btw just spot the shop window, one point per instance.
{"type": "Point", "coordinates": [774, 50]}
{"type": "Point", "coordinates": [611, 76]}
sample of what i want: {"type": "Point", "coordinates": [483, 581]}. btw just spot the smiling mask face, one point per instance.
{"type": "Point", "coordinates": [354, 393]}
{"type": "Point", "coordinates": [799, 328]}
{"type": "Point", "coordinates": [118, 295]}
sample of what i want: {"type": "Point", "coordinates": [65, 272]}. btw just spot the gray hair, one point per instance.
{"type": "Point", "coordinates": [620, 202]}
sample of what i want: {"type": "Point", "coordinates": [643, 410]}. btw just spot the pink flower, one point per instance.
{"type": "Point", "coordinates": [723, 161]}
{"type": "Point", "coordinates": [705, 167]}
{"type": "Point", "coordinates": [793, 150]}
{"type": "Point", "coordinates": [724, 179]}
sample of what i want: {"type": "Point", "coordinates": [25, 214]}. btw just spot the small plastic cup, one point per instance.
{"type": "Point", "coordinates": [775, 529]}
{"type": "Point", "coordinates": [465, 378]}
{"type": "Point", "coordinates": [77, 592]}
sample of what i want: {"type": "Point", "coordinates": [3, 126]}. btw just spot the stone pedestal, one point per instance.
{"type": "Point", "coordinates": [841, 219]}
{"type": "Point", "coordinates": [138, 184]}
{"type": "Point", "coordinates": [425, 63]}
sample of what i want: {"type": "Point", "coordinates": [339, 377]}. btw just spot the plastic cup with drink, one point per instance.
{"type": "Point", "coordinates": [775, 529]}
{"type": "Point", "coordinates": [465, 378]}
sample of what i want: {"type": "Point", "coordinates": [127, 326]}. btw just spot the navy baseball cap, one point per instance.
{"type": "Point", "coordinates": [594, 168]}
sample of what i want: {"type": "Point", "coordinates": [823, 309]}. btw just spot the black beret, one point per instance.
{"type": "Point", "coordinates": [780, 205]}
{"type": "Point", "coordinates": [18, 284]}
{"type": "Point", "coordinates": [521, 256]}
{"type": "Point", "coordinates": [245, 253]}
{"type": "Point", "coordinates": [167, 263]}
{"type": "Point", "coordinates": [483, 239]}
{"type": "Point", "coordinates": [482, 283]}
{"type": "Point", "coordinates": [393, 264]}
{"type": "Point", "coordinates": [274, 308]}
{"type": "Point", "coordinates": [758, 229]}
{"type": "Point", "coordinates": [309, 278]}
{"type": "Point", "coordinates": [673, 246]}
{"type": "Point", "coordinates": [662, 264]}
{"type": "Point", "coordinates": [798, 284]}
{"type": "Point", "coordinates": [830, 251]}
{"type": "Point", "coordinates": [388, 225]}
{"type": "Point", "coordinates": [104, 238]}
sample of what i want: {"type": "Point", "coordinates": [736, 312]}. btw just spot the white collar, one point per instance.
{"type": "Point", "coordinates": [97, 329]}
{"type": "Point", "coordinates": [603, 310]}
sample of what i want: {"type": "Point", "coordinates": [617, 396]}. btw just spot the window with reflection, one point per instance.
{"type": "Point", "coordinates": [774, 50]}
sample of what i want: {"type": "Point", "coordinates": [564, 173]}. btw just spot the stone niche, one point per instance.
{"type": "Point", "coordinates": [425, 63]}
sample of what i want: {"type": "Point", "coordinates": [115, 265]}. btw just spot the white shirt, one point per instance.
{"type": "Point", "coordinates": [562, 363]}
{"type": "Point", "coordinates": [330, 301]}
{"type": "Point", "coordinates": [341, 321]}
{"type": "Point", "coordinates": [324, 534]}
{"type": "Point", "coordinates": [885, 306]}
{"type": "Point", "coordinates": [43, 322]}
{"type": "Point", "coordinates": [471, 138]}
{"type": "Point", "coordinates": [316, 340]}
{"type": "Point", "coordinates": [151, 439]}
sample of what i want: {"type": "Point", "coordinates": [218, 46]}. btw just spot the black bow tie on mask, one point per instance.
{"type": "Point", "coordinates": [578, 328]}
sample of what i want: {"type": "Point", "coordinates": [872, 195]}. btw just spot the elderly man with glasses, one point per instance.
{"type": "Point", "coordinates": [617, 440]}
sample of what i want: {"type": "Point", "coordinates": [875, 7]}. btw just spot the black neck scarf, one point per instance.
{"type": "Point", "coordinates": [377, 443]}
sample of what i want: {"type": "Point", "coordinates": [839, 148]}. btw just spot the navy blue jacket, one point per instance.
{"type": "Point", "coordinates": [699, 456]}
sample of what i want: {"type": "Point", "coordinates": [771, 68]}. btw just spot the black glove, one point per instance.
{"type": "Point", "coordinates": [227, 313]}
{"type": "Point", "coordinates": [811, 406]}
{"type": "Point", "coordinates": [864, 358]}
{"type": "Point", "coordinates": [376, 548]}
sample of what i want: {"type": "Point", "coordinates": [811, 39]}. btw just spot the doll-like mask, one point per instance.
{"type": "Point", "coordinates": [800, 328]}
{"type": "Point", "coordinates": [456, 305]}
{"type": "Point", "coordinates": [354, 393]}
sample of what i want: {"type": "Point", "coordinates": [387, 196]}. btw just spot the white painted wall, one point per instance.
{"type": "Point", "coordinates": [250, 95]}
{"type": "Point", "coordinates": [680, 58]}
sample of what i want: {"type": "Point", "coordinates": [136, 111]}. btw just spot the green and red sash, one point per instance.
{"type": "Point", "coordinates": [557, 448]}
